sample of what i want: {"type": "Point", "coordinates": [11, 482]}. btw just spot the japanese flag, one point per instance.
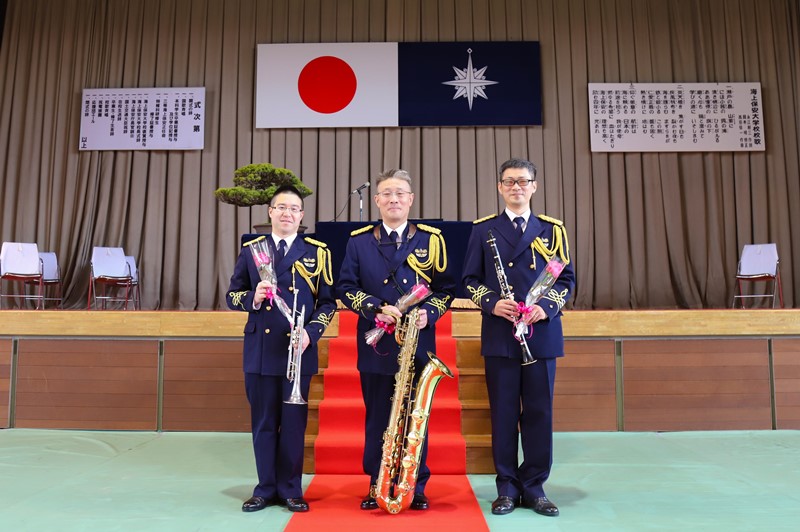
{"type": "Point", "coordinates": [327, 85]}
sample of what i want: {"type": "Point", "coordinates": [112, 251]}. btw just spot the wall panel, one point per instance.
{"type": "Point", "coordinates": [698, 384]}
{"type": "Point", "coordinates": [786, 360]}
{"type": "Point", "coordinates": [585, 392]}
{"type": "Point", "coordinates": [5, 381]}
{"type": "Point", "coordinates": [204, 386]}
{"type": "Point", "coordinates": [87, 384]}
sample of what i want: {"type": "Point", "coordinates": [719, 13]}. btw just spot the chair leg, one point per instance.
{"type": "Point", "coordinates": [40, 299]}
{"type": "Point", "coordinates": [774, 292]}
{"type": "Point", "coordinates": [739, 287]}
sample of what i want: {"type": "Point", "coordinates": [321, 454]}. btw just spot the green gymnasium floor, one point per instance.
{"type": "Point", "coordinates": [81, 480]}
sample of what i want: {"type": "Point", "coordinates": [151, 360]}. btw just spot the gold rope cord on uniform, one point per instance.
{"type": "Point", "coordinates": [324, 267]}
{"type": "Point", "coordinates": [560, 298]}
{"type": "Point", "coordinates": [478, 293]}
{"type": "Point", "coordinates": [560, 245]}
{"type": "Point", "coordinates": [357, 299]}
{"type": "Point", "coordinates": [439, 304]}
{"type": "Point", "coordinates": [236, 298]}
{"type": "Point", "coordinates": [324, 319]}
{"type": "Point", "coordinates": [437, 258]}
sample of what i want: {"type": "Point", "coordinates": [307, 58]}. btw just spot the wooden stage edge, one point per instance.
{"type": "Point", "coordinates": [466, 323]}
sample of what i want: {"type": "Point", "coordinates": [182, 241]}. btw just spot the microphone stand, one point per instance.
{"type": "Point", "coordinates": [360, 203]}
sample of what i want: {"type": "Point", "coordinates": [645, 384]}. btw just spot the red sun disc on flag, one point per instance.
{"type": "Point", "coordinates": [327, 84]}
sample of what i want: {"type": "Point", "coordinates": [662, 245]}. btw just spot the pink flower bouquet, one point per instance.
{"type": "Point", "coordinates": [415, 295]}
{"type": "Point", "coordinates": [540, 287]}
{"type": "Point", "coordinates": [262, 256]}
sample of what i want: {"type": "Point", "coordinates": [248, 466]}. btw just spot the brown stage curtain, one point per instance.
{"type": "Point", "coordinates": [647, 230]}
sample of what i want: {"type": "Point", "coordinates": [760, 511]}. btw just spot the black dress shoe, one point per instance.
{"type": "Point", "coordinates": [254, 504]}
{"type": "Point", "coordinates": [420, 502]}
{"type": "Point", "coordinates": [297, 505]}
{"type": "Point", "coordinates": [543, 506]}
{"type": "Point", "coordinates": [503, 505]}
{"type": "Point", "coordinates": [369, 503]}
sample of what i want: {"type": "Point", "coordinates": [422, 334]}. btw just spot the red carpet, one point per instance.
{"type": "Point", "coordinates": [339, 483]}
{"type": "Point", "coordinates": [340, 442]}
{"type": "Point", "coordinates": [334, 501]}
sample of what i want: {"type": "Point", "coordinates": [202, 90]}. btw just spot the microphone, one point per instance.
{"type": "Point", "coordinates": [362, 187]}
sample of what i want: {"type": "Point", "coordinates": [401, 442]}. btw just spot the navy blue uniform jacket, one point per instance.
{"type": "Point", "coordinates": [266, 333]}
{"type": "Point", "coordinates": [375, 273]}
{"type": "Point", "coordinates": [523, 260]}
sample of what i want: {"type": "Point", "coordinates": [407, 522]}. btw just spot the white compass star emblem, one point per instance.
{"type": "Point", "coordinates": [470, 82]}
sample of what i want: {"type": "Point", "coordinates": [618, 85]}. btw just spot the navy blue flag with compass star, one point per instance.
{"type": "Point", "coordinates": [469, 84]}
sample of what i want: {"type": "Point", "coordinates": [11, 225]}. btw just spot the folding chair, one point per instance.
{"type": "Point", "coordinates": [137, 295]}
{"type": "Point", "coordinates": [759, 262]}
{"type": "Point", "coordinates": [109, 269]}
{"type": "Point", "coordinates": [19, 262]}
{"type": "Point", "coordinates": [51, 276]}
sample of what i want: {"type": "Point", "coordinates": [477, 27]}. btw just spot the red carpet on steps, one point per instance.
{"type": "Point", "coordinates": [339, 482]}
{"type": "Point", "coordinates": [340, 442]}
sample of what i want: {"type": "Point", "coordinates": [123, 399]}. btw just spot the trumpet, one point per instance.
{"type": "Point", "coordinates": [293, 365]}
{"type": "Point", "coordinates": [506, 293]}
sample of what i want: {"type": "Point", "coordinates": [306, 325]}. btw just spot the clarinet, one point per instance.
{"type": "Point", "coordinates": [506, 293]}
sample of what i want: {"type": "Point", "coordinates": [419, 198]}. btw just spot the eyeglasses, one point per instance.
{"type": "Point", "coordinates": [508, 182]}
{"type": "Point", "coordinates": [401, 194]}
{"type": "Point", "coordinates": [294, 209]}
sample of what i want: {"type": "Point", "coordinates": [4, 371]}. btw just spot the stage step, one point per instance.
{"type": "Point", "coordinates": [475, 426]}
{"type": "Point", "coordinates": [475, 418]}
{"type": "Point", "coordinates": [479, 454]}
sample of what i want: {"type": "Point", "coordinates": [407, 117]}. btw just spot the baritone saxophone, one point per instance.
{"type": "Point", "coordinates": [408, 421]}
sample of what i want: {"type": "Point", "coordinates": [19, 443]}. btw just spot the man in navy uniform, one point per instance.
{"type": "Point", "coordinates": [303, 270]}
{"type": "Point", "coordinates": [520, 396]}
{"type": "Point", "coordinates": [383, 262]}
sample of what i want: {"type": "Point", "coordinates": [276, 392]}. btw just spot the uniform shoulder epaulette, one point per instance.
{"type": "Point", "coordinates": [551, 220]}
{"type": "Point", "coordinates": [429, 229]}
{"type": "Point", "coordinates": [362, 230]}
{"type": "Point", "coordinates": [485, 218]}
{"type": "Point", "coordinates": [251, 242]}
{"type": "Point", "coordinates": [315, 242]}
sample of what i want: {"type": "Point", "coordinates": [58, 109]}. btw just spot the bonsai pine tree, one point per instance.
{"type": "Point", "coordinates": [255, 184]}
